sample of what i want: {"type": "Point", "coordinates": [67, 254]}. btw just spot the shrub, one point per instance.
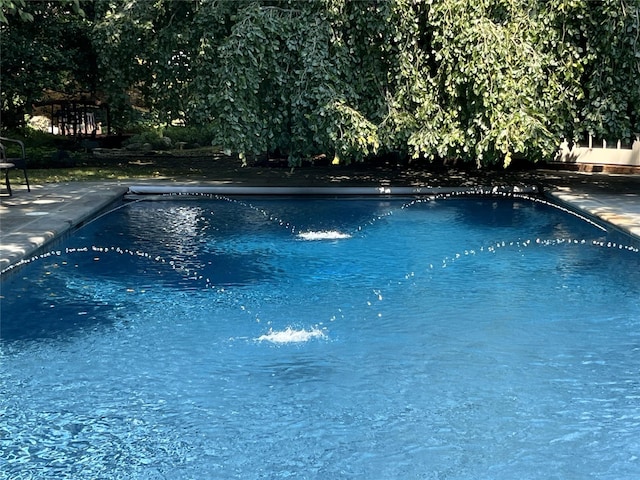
{"type": "Point", "coordinates": [151, 137]}
{"type": "Point", "coordinates": [190, 135]}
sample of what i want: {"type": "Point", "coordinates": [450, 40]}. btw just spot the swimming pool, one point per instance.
{"type": "Point", "coordinates": [313, 338]}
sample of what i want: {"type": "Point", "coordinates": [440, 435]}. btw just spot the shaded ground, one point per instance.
{"type": "Point", "coordinates": [194, 166]}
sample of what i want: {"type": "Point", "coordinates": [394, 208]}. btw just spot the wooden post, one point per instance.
{"type": "Point", "coordinates": [108, 121]}
{"type": "Point", "coordinates": [63, 119]}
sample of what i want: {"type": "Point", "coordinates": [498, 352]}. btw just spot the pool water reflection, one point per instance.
{"type": "Point", "coordinates": [315, 338]}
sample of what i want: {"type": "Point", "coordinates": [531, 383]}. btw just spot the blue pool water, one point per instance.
{"type": "Point", "coordinates": [481, 338]}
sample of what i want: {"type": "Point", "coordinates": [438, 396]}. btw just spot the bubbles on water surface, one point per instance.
{"type": "Point", "coordinates": [323, 235]}
{"type": "Point", "coordinates": [292, 335]}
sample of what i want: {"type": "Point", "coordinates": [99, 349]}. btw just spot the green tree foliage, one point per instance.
{"type": "Point", "coordinates": [144, 53]}
{"type": "Point", "coordinates": [478, 80]}
{"type": "Point", "coordinates": [13, 7]}
{"type": "Point", "coordinates": [487, 76]}
{"type": "Point", "coordinates": [594, 69]}
{"type": "Point", "coordinates": [45, 45]}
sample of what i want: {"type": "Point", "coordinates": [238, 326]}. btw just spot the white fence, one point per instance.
{"type": "Point", "coordinates": [600, 155]}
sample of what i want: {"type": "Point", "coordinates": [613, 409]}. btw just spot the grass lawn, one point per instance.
{"type": "Point", "coordinates": [118, 165]}
{"type": "Point", "coordinates": [207, 165]}
{"type": "Point", "coordinates": [110, 172]}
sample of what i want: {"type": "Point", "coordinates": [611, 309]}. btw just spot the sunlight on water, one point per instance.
{"type": "Point", "coordinates": [323, 235]}
{"type": "Point", "coordinates": [291, 335]}
{"type": "Point", "coordinates": [448, 338]}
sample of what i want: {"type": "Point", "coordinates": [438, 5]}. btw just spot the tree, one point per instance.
{"type": "Point", "coordinates": [45, 46]}
{"type": "Point", "coordinates": [482, 81]}
{"type": "Point", "coordinates": [285, 86]}
{"type": "Point", "coordinates": [485, 89]}
{"type": "Point", "coordinates": [9, 8]}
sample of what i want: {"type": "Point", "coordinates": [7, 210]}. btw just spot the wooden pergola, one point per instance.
{"type": "Point", "coordinates": [77, 117]}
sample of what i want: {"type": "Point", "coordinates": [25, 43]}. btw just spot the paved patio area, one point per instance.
{"type": "Point", "coordinates": [30, 220]}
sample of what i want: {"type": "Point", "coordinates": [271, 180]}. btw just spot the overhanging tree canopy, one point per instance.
{"type": "Point", "coordinates": [45, 47]}
{"type": "Point", "coordinates": [480, 80]}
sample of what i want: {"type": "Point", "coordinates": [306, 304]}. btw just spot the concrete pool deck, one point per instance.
{"type": "Point", "coordinates": [30, 220]}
